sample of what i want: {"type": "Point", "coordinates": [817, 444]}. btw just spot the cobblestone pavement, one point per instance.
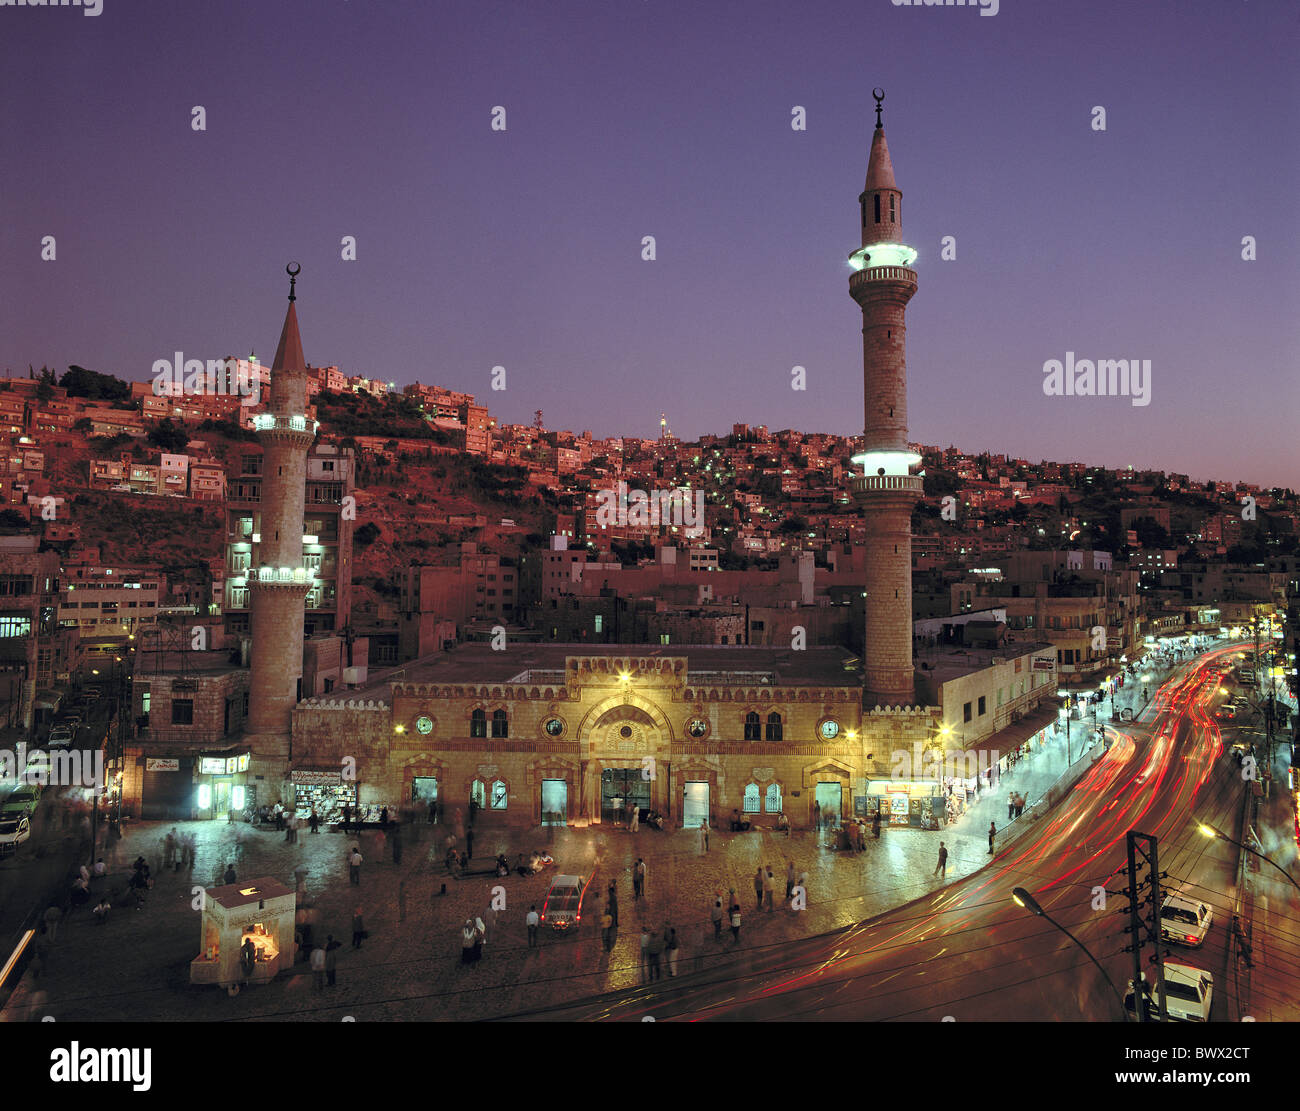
{"type": "Point", "coordinates": [137, 966]}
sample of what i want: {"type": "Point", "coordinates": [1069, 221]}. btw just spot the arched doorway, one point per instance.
{"type": "Point", "coordinates": [625, 744]}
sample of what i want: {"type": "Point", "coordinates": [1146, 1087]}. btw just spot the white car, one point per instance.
{"type": "Point", "coordinates": [60, 736]}
{"type": "Point", "coordinates": [1185, 921]}
{"type": "Point", "coordinates": [14, 830]}
{"type": "Point", "coordinates": [1189, 993]}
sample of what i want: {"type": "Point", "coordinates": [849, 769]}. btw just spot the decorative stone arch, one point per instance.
{"type": "Point", "coordinates": [762, 784]}
{"type": "Point", "coordinates": [552, 767]}
{"type": "Point", "coordinates": [651, 735]}
{"type": "Point", "coordinates": [420, 766]}
{"type": "Point", "coordinates": [699, 769]}
{"type": "Point", "coordinates": [829, 770]}
{"type": "Point", "coordinates": [488, 778]}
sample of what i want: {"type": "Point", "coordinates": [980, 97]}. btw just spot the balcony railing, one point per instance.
{"type": "Point", "coordinates": [912, 483]}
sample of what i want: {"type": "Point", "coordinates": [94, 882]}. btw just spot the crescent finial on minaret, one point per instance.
{"type": "Point", "coordinates": [879, 95]}
{"type": "Point", "coordinates": [293, 270]}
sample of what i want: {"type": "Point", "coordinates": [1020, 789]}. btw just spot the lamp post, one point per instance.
{"type": "Point", "coordinates": [1210, 831]}
{"type": "Point", "coordinates": [1022, 898]}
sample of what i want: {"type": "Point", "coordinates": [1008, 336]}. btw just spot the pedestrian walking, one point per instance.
{"type": "Point", "coordinates": [769, 886]}
{"type": "Point", "coordinates": [716, 914]}
{"type": "Point", "coordinates": [704, 837]}
{"type": "Point", "coordinates": [354, 866]}
{"type": "Point", "coordinates": [992, 831]}
{"type": "Point", "coordinates": [279, 816]}
{"type": "Point", "coordinates": [803, 886]}
{"type": "Point", "coordinates": [358, 928]}
{"type": "Point", "coordinates": [638, 878]}
{"type": "Point", "coordinates": [607, 930]}
{"type": "Point", "coordinates": [758, 888]}
{"type": "Point", "coordinates": [789, 877]}
{"type": "Point", "coordinates": [331, 958]}
{"type": "Point", "coordinates": [654, 950]}
{"type": "Point", "coordinates": [229, 877]}
{"type": "Point", "coordinates": [671, 947]}
{"type": "Point", "coordinates": [817, 816]}
{"type": "Point", "coordinates": [634, 821]}
{"type": "Point", "coordinates": [531, 920]}
{"type": "Point", "coordinates": [942, 866]}
{"type": "Point", "coordinates": [645, 953]}
{"type": "Point", "coordinates": [469, 842]}
{"type": "Point", "coordinates": [735, 922]}
{"type": "Point", "coordinates": [471, 942]}
{"type": "Point", "coordinates": [314, 821]}
{"type": "Point", "coordinates": [347, 817]}
{"type": "Point", "coordinates": [383, 817]}
{"type": "Point", "coordinates": [169, 848]}
{"type": "Point", "coordinates": [318, 966]}
{"type": "Point", "coordinates": [1011, 805]}
{"type": "Point", "coordinates": [612, 905]}
{"type": "Point", "coordinates": [875, 825]}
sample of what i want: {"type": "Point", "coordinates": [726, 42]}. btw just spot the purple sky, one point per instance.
{"type": "Point", "coordinates": [630, 118]}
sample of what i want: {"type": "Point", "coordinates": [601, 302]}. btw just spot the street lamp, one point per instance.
{"type": "Point", "coordinates": [1210, 831]}
{"type": "Point", "coordinates": [1022, 898]}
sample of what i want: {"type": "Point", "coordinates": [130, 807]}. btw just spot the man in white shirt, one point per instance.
{"type": "Point", "coordinates": [531, 920]}
{"type": "Point", "coordinates": [318, 967]}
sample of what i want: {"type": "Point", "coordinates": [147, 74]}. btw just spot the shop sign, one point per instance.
{"type": "Point", "coordinates": [212, 765]}
{"type": "Point", "coordinates": [161, 764]}
{"type": "Point", "coordinates": [1042, 663]}
{"type": "Point", "coordinates": [243, 762]}
{"type": "Point", "coordinates": [309, 778]}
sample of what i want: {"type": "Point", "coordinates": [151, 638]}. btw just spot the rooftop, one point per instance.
{"type": "Point", "coordinates": [947, 663]}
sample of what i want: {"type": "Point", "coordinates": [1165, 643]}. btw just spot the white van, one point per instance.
{"type": "Point", "coordinates": [1185, 921]}
{"type": "Point", "coordinates": [1189, 993]}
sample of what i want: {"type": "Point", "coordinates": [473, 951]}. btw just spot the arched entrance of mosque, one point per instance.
{"type": "Point", "coordinates": [625, 744]}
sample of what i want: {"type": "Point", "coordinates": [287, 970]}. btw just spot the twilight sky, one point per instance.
{"type": "Point", "coordinates": [522, 248]}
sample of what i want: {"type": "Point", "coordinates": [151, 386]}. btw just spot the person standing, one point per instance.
{"type": "Point", "coordinates": [471, 945]}
{"type": "Point", "coordinates": [314, 821]}
{"type": "Point", "coordinates": [531, 920]}
{"type": "Point", "coordinates": [607, 930]}
{"type": "Point", "coordinates": [358, 928]}
{"type": "Point", "coordinates": [672, 947]}
{"type": "Point", "coordinates": [769, 887]}
{"type": "Point", "coordinates": [735, 922]}
{"type": "Point", "coordinates": [645, 953]}
{"type": "Point", "coordinates": [654, 950]}
{"type": "Point", "coordinates": [318, 963]}
{"type": "Point", "coordinates": [758, 888]}
{"type": "Point", "coordinates": [875, 825]}
{"type": "Point", "coordinates": [612, 905]}
{"type": "Point", "coordinates": [354, 866]}
{"type": "Point", "coordinates": [383, 817]}
{"type": "Point", "coordinates": [704, 837]}
{"type": "Point", "coordinates": [817, 816]}
{"type": "Point", "coordinates": [789, 877]}
{"type": "Point", "coordinates": [641, 872]}
{"type": "Point", "coordinates": [942, 866]}
{"type": "Point", "coordinates": [634, 820]}
{"type": "Point", "coordinates": [331, 958]}
{"type": "Point", "coordinates": [1011, 805]}
{"type": "Point", "coordinates": [230, 876]}
{"type": "Point", "coordinates": [992, 831]}
{"type": "Point", "coordinates": [469, 842]}
{"type": "Point", "coordinates": [347, 817]}
{"type": "Point", "coordinates": [715, 914]}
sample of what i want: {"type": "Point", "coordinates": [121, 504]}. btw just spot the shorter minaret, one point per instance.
{"type": "Point", "coordinates": [882, 284]}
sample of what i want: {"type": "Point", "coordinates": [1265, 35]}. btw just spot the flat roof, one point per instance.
{"type": "Point", "coordinates": [706, 664]}
{"type": "Point", "coordinates": [946, 663]}
{"type": "Point", "coordinates": [234, 895]}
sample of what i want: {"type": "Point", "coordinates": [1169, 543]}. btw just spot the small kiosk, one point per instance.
{"type": "Point", "coordinates": [260, 912]}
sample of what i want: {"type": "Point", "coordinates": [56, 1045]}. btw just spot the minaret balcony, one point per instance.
{"type": "Point", "coordinates": [281, 576]}
{"type": "Point", "coordinates": [276, 422]}
{"type": "Point", "coordinates": [873, 274]}
{"type": "Point", "coordinates": [873, 483]}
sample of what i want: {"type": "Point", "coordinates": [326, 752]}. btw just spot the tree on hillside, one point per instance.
{"type": "Point", "coordinates": [170, 436]}
{"type": "Point", "coordinates": [80, 382]}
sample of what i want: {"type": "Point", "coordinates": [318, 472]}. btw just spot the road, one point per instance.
{"type": "Point", "coordinates": [968, 953]}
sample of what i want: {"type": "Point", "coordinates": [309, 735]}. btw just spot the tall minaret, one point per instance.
{"type": "Point", "coordinates": [882, 283]}
{"type": "Point", "coordinates": [279, 586]}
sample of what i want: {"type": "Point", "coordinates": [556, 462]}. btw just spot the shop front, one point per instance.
{"type": "Point", "coordinates": [905, 803]}
{"type": "Point", "coordinates": [323, 790]}
{"type": "Point", "coordinates": [246, 934]}
{"type": "Point", "coordinates": [220, 789]}
{"type": "Point", "coordinates": [167, 788]}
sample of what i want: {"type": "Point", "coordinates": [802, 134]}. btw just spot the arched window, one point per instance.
{"type": "Point", "coordinates": [478, 793]}
{"type": "Point", "coordinates": [772, 799]}
{"type": "Point", "coordinates": [500, 724]}
{"type": "Point", "coordinates": [751, 798]}
{"type": "Point", "coordinates": [753, 730]}
{"type": "Point", "coordinates": [877, 208]}
{"type": "Point", "coordinates": [499, 795]}
{"type": "Point", "coordinates": [773, 726]}
{"type": "Point", "coordinates": [478, 724]}
{"type": "Point", "coordinates": [892, 218]}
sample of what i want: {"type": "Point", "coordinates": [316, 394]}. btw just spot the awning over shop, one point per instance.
{"type": "Point", "coordinates": [1018, 732]}
{"type": "Point", "coordinates": [1091, 681]}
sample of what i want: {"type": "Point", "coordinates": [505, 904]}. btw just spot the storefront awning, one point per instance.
{"type": "Point", "coordinates": [1091, 681]}
{"type": "Point", "coordinates": [1017, 733]}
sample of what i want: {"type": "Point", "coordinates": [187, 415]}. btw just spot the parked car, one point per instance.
{"type": "Point", "coordinates": [1227, 710]}
{"type": "Point", "coordinates": [21, 801]}
{"type": "Point", "coordinates": [1185, 921]}
{"type": "Point", "coordinates": [1189, 993]}
{"type": "Point", "coordinates": [14, 830]}
{"type": "Point", "coordinates": [61, 736]}
{"type": "Point", "coordinates": [563, 906]}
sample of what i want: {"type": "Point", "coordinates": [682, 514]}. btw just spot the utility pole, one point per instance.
{"type": "Point", "coordinates": [1145, 929]}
